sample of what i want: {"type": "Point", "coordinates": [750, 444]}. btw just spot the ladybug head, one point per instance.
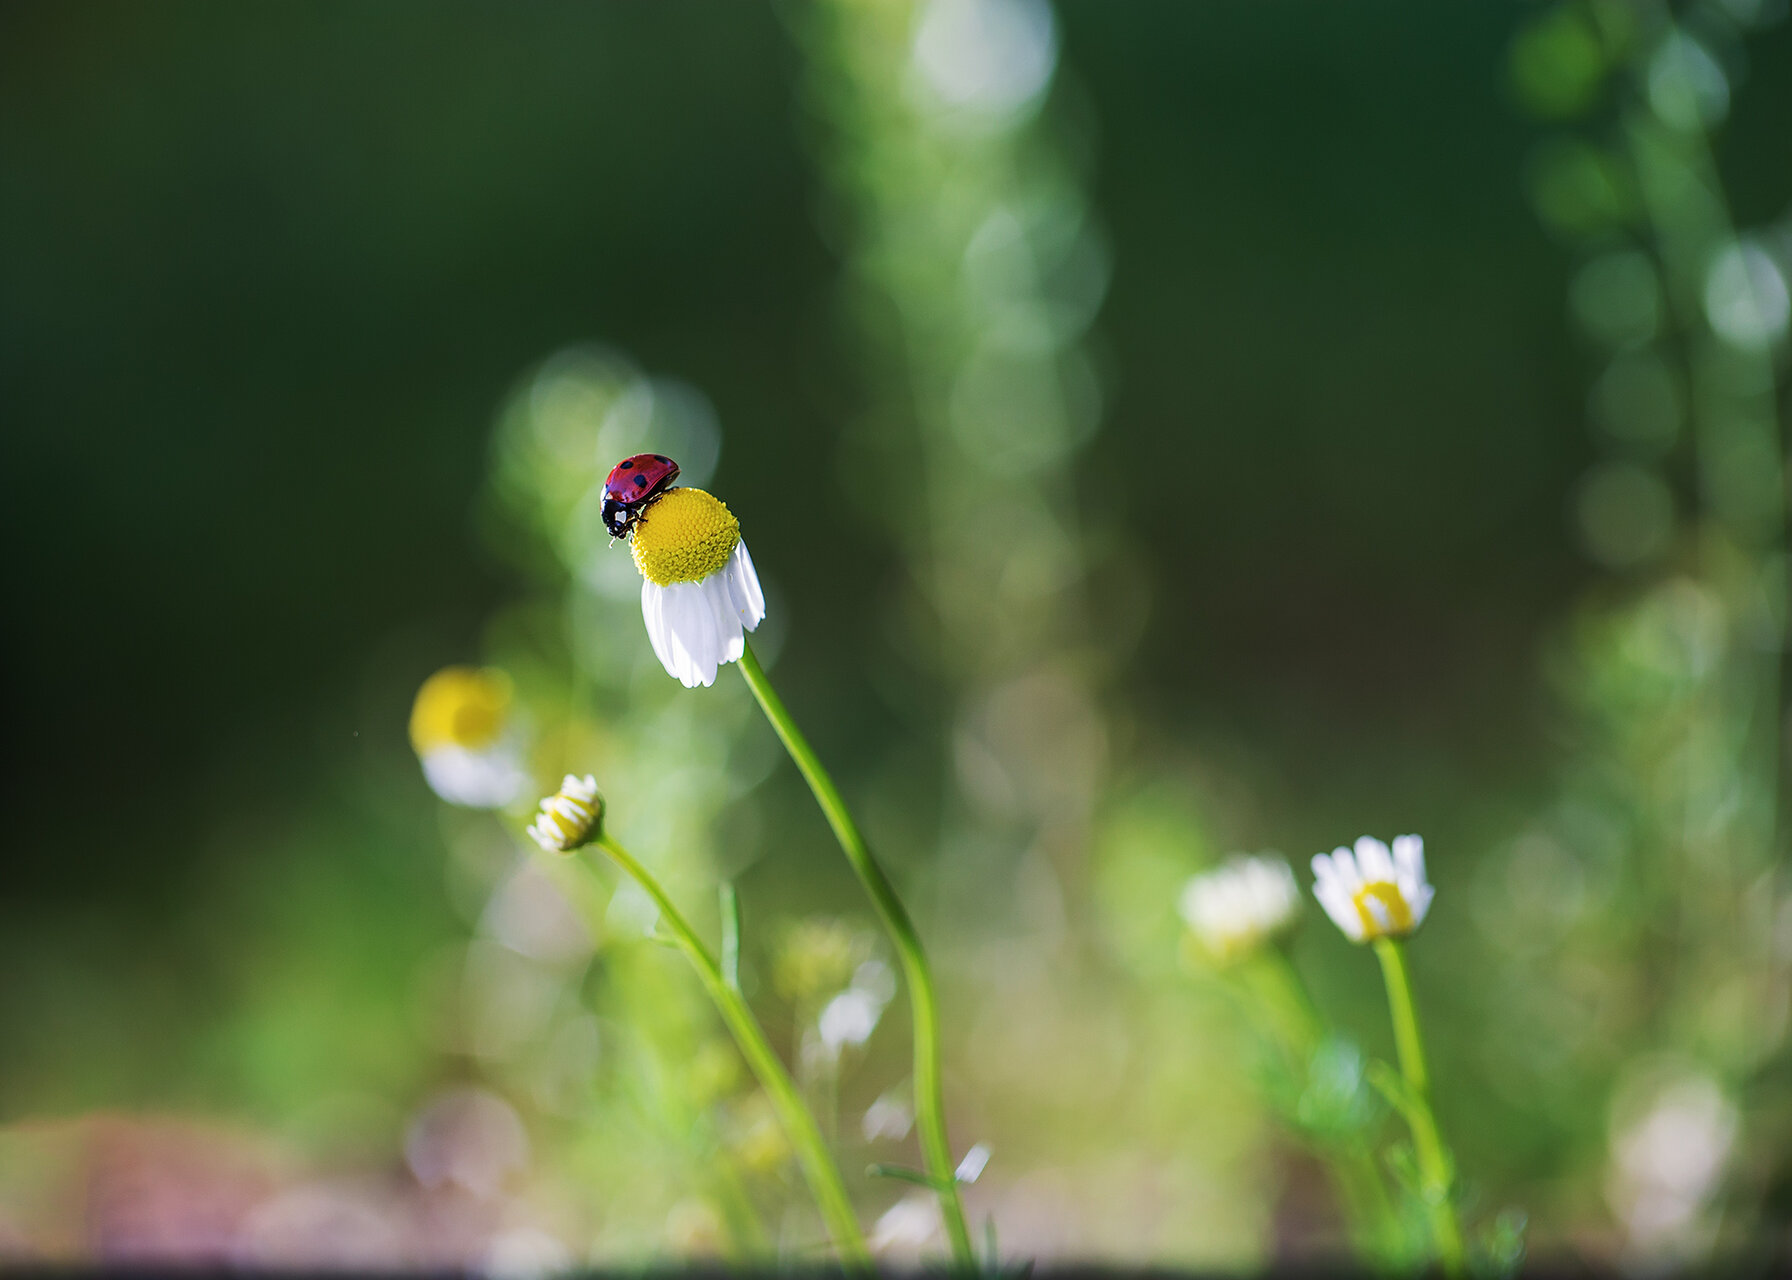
{"type": "Point", "coordinates": [618, 518]}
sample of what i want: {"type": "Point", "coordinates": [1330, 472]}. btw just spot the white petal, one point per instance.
{"type": "Point", "coordinates": [1409, 860]}
{"type": "Point", "coordinates": [696, 632]}
{"type": "Point", "coordinates": [488, 779]}
{"type": "Point", "coordinates": [1373, 859]}
{"type": "Point", "coordinates": [744, 579]}
{"type": "Point", "coordinates": [653, 613]}
{"type": "Point", "coordinates": [1340, 907]}
{"type": "Point", "coordinates": [718, 593]}
{"type": "Point", "coordinates": [1344, 864]}
{"type": "Point", "coordinates": [695, 627]}
{"type": "Point", "coordinates": [681, 639]}
{"type": "Point", "coordinates": [1419, 902]}
{"type": "Point", "coordinates": [671, 607]}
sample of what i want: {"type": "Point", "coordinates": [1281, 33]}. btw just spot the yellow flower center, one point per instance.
{"type": "Point", "coordinates": [460, 707]}
{"type": "Point", "coordinates": [1398, 913]}
{"type": "Point", "coordinates": [685, 536]}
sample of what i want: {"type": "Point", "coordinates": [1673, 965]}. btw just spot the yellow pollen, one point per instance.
{"type": "Point", "coordinates": [460, 707]}
{"type": "Point", "coordinates": [1399, 915]}
{"type": "Point", "coordinates": [685, 536]}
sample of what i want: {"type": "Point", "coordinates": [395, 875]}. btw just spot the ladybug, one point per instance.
{"type": "Point", "coordinates": [633, 485]}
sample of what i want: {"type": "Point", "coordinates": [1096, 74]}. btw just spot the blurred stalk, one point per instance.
{"type": "Point", "coordinates": [973, 262]}
{"type": "Point", "coordinates": [1278, 1002]}
{"type": "Point", "coordinates": [819, 1169]}
{"type": "Point", "coordinates": [930, 1103]}
{"type": "Point", "coordinates": [1433, 1160]}
{"type": "Point", "coordinates": [974, 268]}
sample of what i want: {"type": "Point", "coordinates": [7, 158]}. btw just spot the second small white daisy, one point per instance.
{"type": "Point", "coordinates": [1235, 908]}
{"type": "Point", "coordinates": [1374, 893]}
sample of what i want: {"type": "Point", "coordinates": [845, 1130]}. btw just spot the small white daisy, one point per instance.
{"type": "Point", "coordinates": [699, 592]}
{"type": "Point", "coordinates": [570, 817]}
{"type": "Point", "coordinates": [466, 739]}
{"type": "Point", "coordinates": [1374, 894]}
{"type": "Point", "coordinates": [1233, 909]}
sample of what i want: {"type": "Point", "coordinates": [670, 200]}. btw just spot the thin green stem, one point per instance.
{"type": "Point", "coordinates": [818, 1166]}
{"type": "Point", "coordinates": [1428, 1146]}
{"type": "Point", "coordinates": [930, 1105]}
{"type": "Point", "coordinates": [1281, 1000]}
{"type": "Point", "coordinates": [1281, 1004]}
{"type": "Point", "coordinates": [730, 904]}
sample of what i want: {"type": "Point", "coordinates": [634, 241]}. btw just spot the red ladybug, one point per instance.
{"type": "Point", "coordinates": [633, 485]}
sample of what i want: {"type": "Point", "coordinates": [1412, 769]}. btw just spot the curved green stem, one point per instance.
{"type": "Point", "coordinates": [1428, 1146]}
{"type": "Point", "coordinates": [930, 1107]}
{"type": "Point", "coordinates": [818, 1166]}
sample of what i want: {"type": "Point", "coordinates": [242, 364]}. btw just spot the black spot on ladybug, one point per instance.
{"type": "Point", "coordinates": [658, 457]}
{"type": "Point", "coordinates": [640, 482]}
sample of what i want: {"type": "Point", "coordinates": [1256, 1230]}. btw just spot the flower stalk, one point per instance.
{"type": "Point", "coordinates": [818, 1165]}
{"type": "Point", "coordinates": [1428, 1147]}
{"type": "Point", "coordinates": [1275, 998]}
{"type": "Point", "coordinates": [930, 1118]}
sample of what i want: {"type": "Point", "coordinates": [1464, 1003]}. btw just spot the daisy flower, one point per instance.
{"type": "Point", "coordinates": [465, 737]}
{"type": "Point", "coordinates": [570, 817]}
{"type": "Point", "coordinates": [699, 592]}
{"type": "Point", "coordinates": [1374, 894]}
{"type": "Point", "coordinates": [1233, 909]}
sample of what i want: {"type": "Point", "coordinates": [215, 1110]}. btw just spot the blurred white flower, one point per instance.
{"type": "Point", "coordinates": [570, 817]}
{"type": "Point", "coordinates": [889, 1117]}
{"type": "Point", "coordinates": [1374, 894]}
{"type": "Point", "coordinates": [468, 1138]}
{"type": "Point", "coordinates": [525, 1253]}
{"type": "Point", "coordinates": [908, 1225]}
{"type": "Point", "coordinates": [1233, 909]}
{"type": "Point", "coordinates": [975, 1161]}
{"type": "Point", "coordinates": [1667, 1161]}
{"type": "Point", "coordinates": [699, 592]}
{"type": "Point", "coordinates": [850, 1017]}
{"type": "Point", "coordinates": [465, 737]}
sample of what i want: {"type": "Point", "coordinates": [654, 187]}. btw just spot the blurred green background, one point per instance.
{"type": "Point", "coordinates": [268, 278]}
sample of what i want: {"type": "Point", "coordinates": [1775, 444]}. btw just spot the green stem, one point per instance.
{"type": "Point", "coordinates": [1428, 1146]}
{"type": "Point", "coordinates": [812, 1154]}
{"type": "Point", "coordinates": [1282, 1005]}
{"type": "Point", "coordinates": [1280, 998]}
{"type": "Point", "coordinates": [930, 1106]}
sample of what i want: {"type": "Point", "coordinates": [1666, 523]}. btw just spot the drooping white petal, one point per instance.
{"type": "Point", "coordinates": [696, 627]}
{"type": "Point", "coordinates": [653, 613]}
{"type": "Point", "coordinates": [718, 591]}
{"type": "Point", "coordinates": [745, 579]}
{"type": "Point", "coordinates": [693, 634]}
